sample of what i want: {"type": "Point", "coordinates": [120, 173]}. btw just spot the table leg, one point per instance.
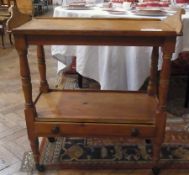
{"type": "Point", "coordinates": [152, 85]}
{"type": "Point", "coordinates": [44, 87]}
{"type": "Point", "coordinates": [30, 110]}
{"type": "Point", "coordinates": [161, 109]}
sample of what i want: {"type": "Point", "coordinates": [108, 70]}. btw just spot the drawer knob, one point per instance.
{"type": "Point", "coordinates": [55, 130]}
{"type": "Point", "coordinates": [135, 132]}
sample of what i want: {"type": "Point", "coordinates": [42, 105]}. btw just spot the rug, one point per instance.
{"type": "Point", "coordinates": [117, 152]}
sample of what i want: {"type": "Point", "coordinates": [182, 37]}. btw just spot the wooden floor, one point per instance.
{"type": "Point", "coordinates": [13, 134]}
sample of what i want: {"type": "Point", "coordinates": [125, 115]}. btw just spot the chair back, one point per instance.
{"type": "Point", "coordinates": [25, 6]}
{"type": "Point", "coordinates": [19, 9]}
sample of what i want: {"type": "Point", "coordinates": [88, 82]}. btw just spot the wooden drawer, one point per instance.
{"type": "Point", "coordinates": [93, 129]}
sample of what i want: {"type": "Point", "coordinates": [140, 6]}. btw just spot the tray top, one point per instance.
{"type": "Point", "coordinates": [103, 26]}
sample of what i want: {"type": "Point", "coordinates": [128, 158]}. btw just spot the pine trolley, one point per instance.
{"type": "Point", "coordinates": [82, 113]}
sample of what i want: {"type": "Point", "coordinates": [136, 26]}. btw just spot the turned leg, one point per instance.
{"type": "Point", "coordinates": [161, 109]}
{"type": "Point", "coordinates": [152, 84]}
{"type": "Point", "coordinates": [44, 87]}
{"type": "Point", "coordinates": [34, 142]}
{"type": "Point", "coordinates": [164, 81]}
{"type": "Point", "coordinates": [30, 110]}
{"type": "Point", "coordinates": [35, 149]}
{"type": "Point", "coordinates": [30, 115]}
{"type": "Point", "coordinates": [156, 149]}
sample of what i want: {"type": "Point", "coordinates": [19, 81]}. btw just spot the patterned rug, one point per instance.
{"type": "Point", "coordinates": [91, 153]}
{"type": "Point", "coordinates": [106, 152]}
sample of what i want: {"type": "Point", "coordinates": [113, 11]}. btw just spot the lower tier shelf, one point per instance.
{"type": "Point", "coordinates": [97, 107]}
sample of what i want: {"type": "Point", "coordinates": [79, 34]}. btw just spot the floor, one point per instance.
{"type": "Point", "coordinates": [13, 134]}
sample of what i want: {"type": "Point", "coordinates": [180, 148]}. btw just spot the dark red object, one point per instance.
{"type": "Point", "coordinates": [181, 67]}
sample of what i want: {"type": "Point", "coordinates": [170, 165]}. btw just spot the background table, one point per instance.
{"type": "Point", "coordinates": [115, 68]}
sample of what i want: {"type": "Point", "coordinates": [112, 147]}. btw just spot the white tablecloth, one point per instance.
{"type": "Point", "coordinates": [115, 68]}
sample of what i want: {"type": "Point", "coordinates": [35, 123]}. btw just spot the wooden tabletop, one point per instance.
{"type": "Point", "coordinates": [171, 26]}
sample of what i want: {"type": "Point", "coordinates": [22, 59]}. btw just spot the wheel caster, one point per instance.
{"type": "Point", "coordinates": [40, 168]}
{"type": "Point", "coordinates": [156, 171]}
{"type": "Point", "coordinates": [51, 139]}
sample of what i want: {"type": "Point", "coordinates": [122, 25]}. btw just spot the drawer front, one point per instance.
{"type": "Point", "coordinates": [93, 129]}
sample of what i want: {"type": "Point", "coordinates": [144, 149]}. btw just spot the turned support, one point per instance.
{"type": "Point", "coordinates": [152, 84]}
{"type": "Point", "coordinates": [161, 110]}
{"type": "Point", "coordinates": [30, 110]}
{"type": "Point", "coordinates": [44, 87]}
{"type": "Point", "coordinates": [34, 143]}
{"type": "Point", "coordinates": [25, 77]}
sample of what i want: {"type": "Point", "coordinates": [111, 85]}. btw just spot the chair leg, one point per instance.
{"type": "Point", "coordinates": [187, 93]}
